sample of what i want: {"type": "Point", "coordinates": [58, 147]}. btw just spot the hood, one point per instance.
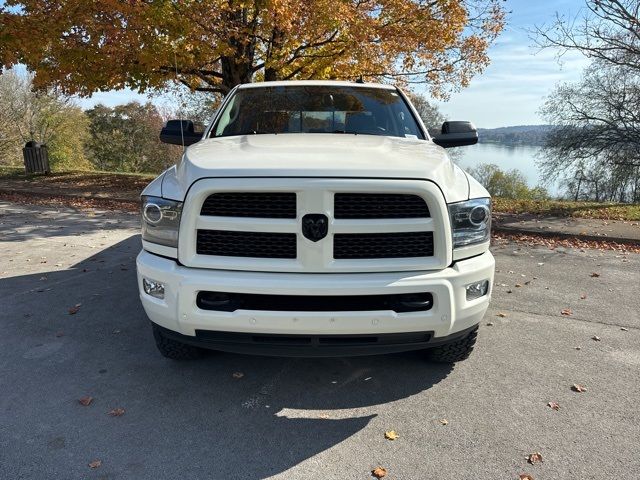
{"type": "Point", "coordinates": [317, 155]}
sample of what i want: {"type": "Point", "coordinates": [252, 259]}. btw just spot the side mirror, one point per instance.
{"type": "Point", "coordinates": [456, 134]}
{"type": "Point", "coordinates": [176, 130]}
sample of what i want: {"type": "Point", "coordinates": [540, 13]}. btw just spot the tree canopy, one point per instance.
{"type": "Point", "coordinates": [82, 47]}
{"type": "Point", "coordinates": [45, 116]}
{"type": "Point", "coordinates": [125, 139]}
{"type": "Point", "coordinates": [596, 140]}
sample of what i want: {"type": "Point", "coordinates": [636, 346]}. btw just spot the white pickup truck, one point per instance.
{"type": "Point", "coordinates": [316, 218]}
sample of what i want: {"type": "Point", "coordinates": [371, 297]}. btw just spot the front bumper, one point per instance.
{"type": "Point", "coordinates": [451, 312]}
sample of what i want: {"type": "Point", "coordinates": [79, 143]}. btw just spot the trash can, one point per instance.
{"type": "Point", "coordinates": [36, 158]}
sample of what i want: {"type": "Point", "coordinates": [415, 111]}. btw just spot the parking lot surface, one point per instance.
{"type": "Point", "coordinates": [72, 327]}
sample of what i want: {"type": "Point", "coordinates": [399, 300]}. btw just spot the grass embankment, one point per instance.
{"type": "Point", "coordinates": [562, 208]}
{"type": "Point", "coordinates": [109, 185]}
{"type": "Point", "coordinates": [102, 190]}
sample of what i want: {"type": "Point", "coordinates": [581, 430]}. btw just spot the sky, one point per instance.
{"type": "Point", "coordinates": [512, 88]}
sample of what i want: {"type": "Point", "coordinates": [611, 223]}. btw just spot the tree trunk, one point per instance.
{"type": "Point", "coordinates": [234, 73]}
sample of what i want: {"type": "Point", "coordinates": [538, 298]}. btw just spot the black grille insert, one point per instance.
{"type": "Point", "coordinates": [246, 244]}
{"type": "Point", "coordinates": [230, 302]}
{"type": "Point", "coordinates": [250, 204]}
{"type": "Point", "coordinates": [379, 205]}
{"type": "Point", "coordinates": [276, 340]}
{"type": "Point", "coordinates": [318, 341]}
{"type": "Point", "coordinates": [382, 245]}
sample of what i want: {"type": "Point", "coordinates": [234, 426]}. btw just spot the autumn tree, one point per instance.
{"type": "Point", "coordinates": [45, 116]}
{"type": "Point", "coordinates": [431, 116]}
{"type": "Point", "coordinates": [84, 46]}
{"type": "Point", "coordinates": [506, 183]}
{"type": "Point", "coordinates": [125, 139]}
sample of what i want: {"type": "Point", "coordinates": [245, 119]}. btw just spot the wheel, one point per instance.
{"type": "Point", "coordinates": [455, 351]}
{"type": "Point", "coordinates": [173, 349]}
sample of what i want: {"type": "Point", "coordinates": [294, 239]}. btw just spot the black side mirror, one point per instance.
{"type": "Point", "coordinates": [456, 134]}
{"type": "Point", "coordinates": [176, 130]}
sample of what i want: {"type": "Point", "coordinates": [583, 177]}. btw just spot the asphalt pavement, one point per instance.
{"type": "Point", "coordinates": [323, 419]}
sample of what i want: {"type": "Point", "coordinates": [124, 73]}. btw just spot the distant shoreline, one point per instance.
{"type": "Point", "coordinates": [517, 135]}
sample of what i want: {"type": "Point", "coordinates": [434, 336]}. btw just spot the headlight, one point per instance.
{"type": "Point", "coordinates": [161, 220]}
{"type": "Point", "coordinates": [470, 221]}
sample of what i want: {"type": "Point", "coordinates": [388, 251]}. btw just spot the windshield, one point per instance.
{"type": "Point", "coordinates": [317, 109]}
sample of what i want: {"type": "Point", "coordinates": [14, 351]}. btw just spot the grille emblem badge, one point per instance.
{"type": "Point", "coordinates": [315, 226]}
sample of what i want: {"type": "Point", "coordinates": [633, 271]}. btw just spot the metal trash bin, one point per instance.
{"type": "Point", "coordinates": [36, 158]}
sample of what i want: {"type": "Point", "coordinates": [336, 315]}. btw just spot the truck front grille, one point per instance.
{"type": "Point", "coordinates": [246, 244]}
{"type": "Point", "coordinates": [379, 205]}
{"type": "Point", "coordinates": [382, 245]}
{"type": "Point", "coordinates": [371, 225]}
{"type": "Point", "coordinates": [250, 204]}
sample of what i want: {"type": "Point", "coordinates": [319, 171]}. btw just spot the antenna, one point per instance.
{"type": "Point", "coordinates": [175, 61]}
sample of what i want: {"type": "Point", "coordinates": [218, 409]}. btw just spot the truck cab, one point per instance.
{"type": "Point", "coordinates": [315, 218]}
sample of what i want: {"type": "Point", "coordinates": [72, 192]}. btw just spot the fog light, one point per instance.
{"type": "Point", "coordinates": [153, 288]}
{"type": "Point", "coordinates": [477, 289]}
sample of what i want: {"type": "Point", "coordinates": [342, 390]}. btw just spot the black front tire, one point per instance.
{"type": "Point", "coordinates": [454, 351]}
{"type": "Point", "coordinates": [173, 349]}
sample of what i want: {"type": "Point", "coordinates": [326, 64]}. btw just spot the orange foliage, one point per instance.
{"type": "Point", "coordinates": [83, 46]}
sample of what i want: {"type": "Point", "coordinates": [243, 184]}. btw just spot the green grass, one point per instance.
{"type": "Point", "coordinates": [561, 208]}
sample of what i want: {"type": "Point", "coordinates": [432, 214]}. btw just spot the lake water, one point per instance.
{"type": "Point", "coordinates": [522, 158]}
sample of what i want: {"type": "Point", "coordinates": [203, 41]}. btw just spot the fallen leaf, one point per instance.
{"type": "Point", "coordinates": [624, 329]}
{"type": "Point", "coordinates": [583, 296]}
{"type": "Point", "coordinates": [553, 405]}
{"type": "Point", "coordinates": [527, 282]}
{"type": "Point", "coordinates": [489, 324]}
{"type": "Point", "coordinates": [86, 401]}
{"type": "Point", "coordinates": [526, 476]}
{"type": "Point", "coordinates": [237, 375]}
{"type": "Point", "coordinates": [117, 412]}
{"type": "Point", "coordinates": [502, 315]}
{"type": "Point", "coordinates": [596, 338]}
{"type": "Point", "coordinates": [391, 435]}
{"type": "Point", "coordinates": [518, 285]}
{"type": "Point", "coordinates": [578, 388]}
{"type": "Point", "coordinates": [73, 310]}
{"type": "Point", "coordinates": [95, 464]}
{"type": "Point", "coordinates": [59, 334]}
{"type": "Point", "coordinates": [534, 458]}
{"type": "Point", "coordinates": [444, 421]}
{"type": "Point", "coordinates": [578, 348]}
{"type": "Point", "coordinates": [379, 472]}
{"type": "Point", "coordinates": [594, 274]}
{"type": "Point", "coordinates": [566, 312]}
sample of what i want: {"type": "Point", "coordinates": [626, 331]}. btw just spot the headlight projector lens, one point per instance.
{"type": "Point", "coordinates": [478, 215]}
{"type": "Point", "coordinates": [152, 213]}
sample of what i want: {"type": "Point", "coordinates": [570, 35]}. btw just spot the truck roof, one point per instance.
{"type": "Point", "coordinates": [332, 83]}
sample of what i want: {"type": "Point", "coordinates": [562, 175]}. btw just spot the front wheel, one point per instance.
{"type": "Point", "coordinates": [455, 351]}
{"type": "Point", "coordinates": [173, 349]}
